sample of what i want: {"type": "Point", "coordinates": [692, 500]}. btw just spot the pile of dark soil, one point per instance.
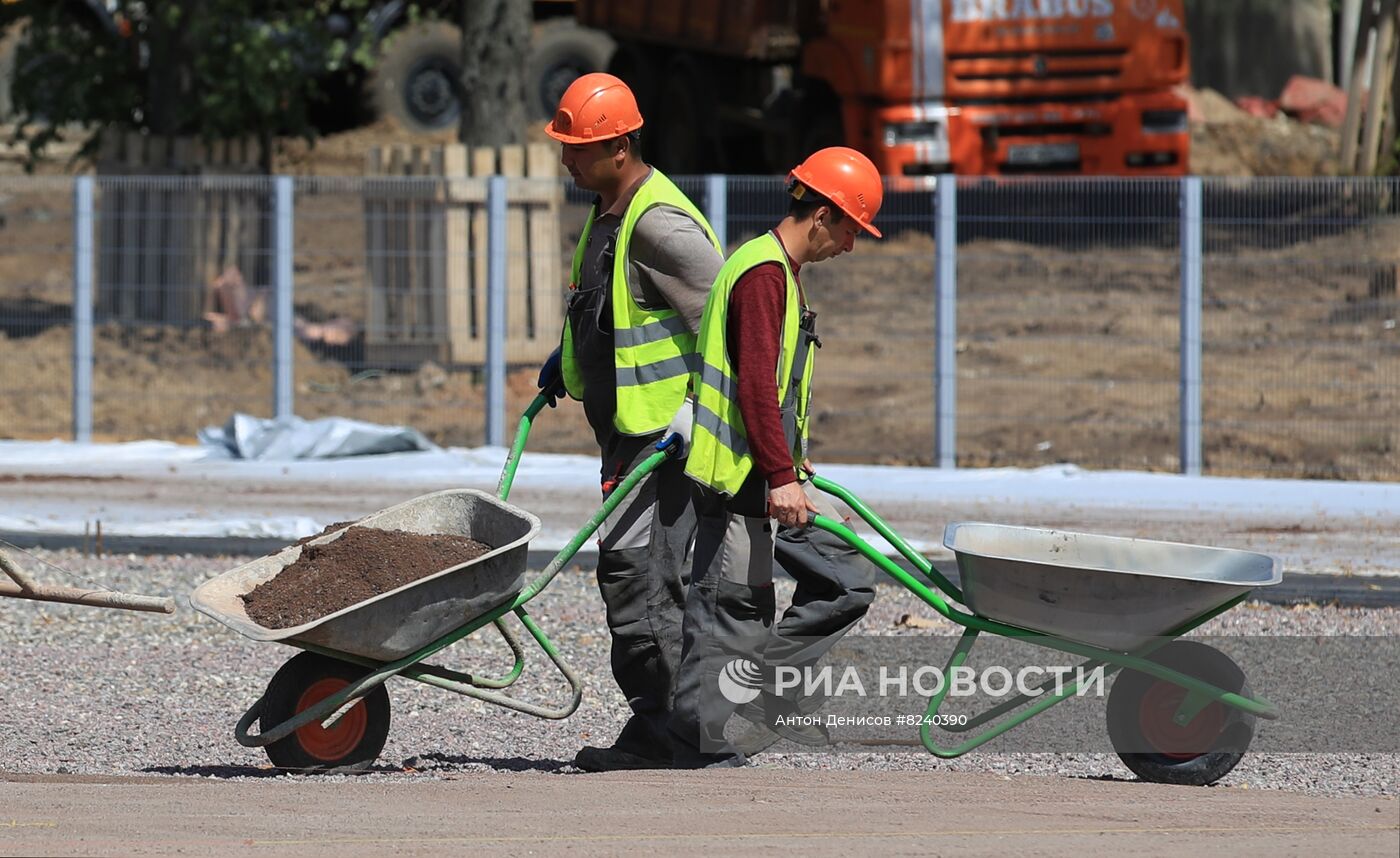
{"type": "Point", "coordinates": [361, 564]}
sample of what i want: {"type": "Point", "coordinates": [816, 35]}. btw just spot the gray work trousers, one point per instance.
{"type": "Point", "coordinates": [730, 606]}
{"type": "Point", "coordinates": [643, 562]}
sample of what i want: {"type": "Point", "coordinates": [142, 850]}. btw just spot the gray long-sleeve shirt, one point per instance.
{"type": "Point", "coordinates": [671, 263]}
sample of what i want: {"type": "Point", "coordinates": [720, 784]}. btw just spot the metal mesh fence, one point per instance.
{"type": "Point", "coordinates": [1301, 363]}
{"type": "Point", "coordinates": [1068, 301]}
{"type": "Point", "coordinates": [181, 277]}
{"type": "Point", "coordinates": [36, 330]}
{"type": "Point", "coordinates": [1068, 314]}
{"type": "Point", "coordinates": [373, 333]}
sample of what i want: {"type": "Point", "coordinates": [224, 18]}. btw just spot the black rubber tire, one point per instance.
{"type": "Point", "coordinates": [821, 128]}
{"type": "Point", "coordinates": [351, 745]}
{"type": "Point", "coordinates": [1140, 708]}
{"type": "Point", "coordinates": [640, 67]}
{"type": "Point", "coordinates": [683, 141]}
{"type": "Point", "coordinates": [560, 52]}
{"type": "Point", "coordinates": [416, 77]}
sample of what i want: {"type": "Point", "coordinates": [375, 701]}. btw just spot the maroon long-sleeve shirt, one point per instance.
{"type": "Point", "coordinates": [757, 304]}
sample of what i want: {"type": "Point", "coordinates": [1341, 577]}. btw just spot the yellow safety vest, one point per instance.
{"type": "Point", "coordinates": [719, 450]}
{"type": "Point", "coordinates": [653, 350]}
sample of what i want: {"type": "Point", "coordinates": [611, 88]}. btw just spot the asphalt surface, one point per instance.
{"type": "Point", "coordinates": [684, 813]}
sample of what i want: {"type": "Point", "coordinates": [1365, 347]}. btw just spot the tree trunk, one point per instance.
{"type": "Point", "coordinates": [495, 47]}
{"type": "Point", "coordinates": [169, 84]}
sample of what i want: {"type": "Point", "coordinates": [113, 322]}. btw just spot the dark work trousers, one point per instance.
{"type": "Point", "coordinates": [730, 606]}
{"type": "Point", "coordinates": [643, 561]}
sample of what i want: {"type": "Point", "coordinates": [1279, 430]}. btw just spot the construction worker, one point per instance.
{"type": "Point", "coordinates": [748, 455]}
{"type": "Point", "coordinates": [641, 273]}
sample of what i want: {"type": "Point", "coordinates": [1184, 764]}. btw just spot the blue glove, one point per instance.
{"type": "Point", "coordinates": [551, 380]}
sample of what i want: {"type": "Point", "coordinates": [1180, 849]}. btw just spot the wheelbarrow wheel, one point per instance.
{"type": "Point", "coordinates": [1142, 709]}
{"type": "Point", "coordinates": [351, 744]}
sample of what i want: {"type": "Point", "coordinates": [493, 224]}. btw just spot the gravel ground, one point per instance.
{"type": "Point", "coordinates": [101, 692]}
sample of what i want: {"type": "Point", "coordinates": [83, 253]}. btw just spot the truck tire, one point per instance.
{"type": "Point", "coordinates": [416, 78]}
{"type": "Point", "coordinates": [684, 144]}
{"type": "Point", "coordinates": [641, 68]}
{"type": "Point", "coordinates": [560, 52]}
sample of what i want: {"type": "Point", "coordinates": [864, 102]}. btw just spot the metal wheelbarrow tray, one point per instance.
{"type": "Point", "coordinates": [1180, 711]}
{"type": "Point", "coordinates": [1107, 591]}
{"type": "Point", "coordinates": [394, 624]}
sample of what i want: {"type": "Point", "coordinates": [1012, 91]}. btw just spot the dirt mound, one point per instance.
{"type": "Point", "coordinates": [361, 564]}
{"type": "Point", "coordinates": [1227, 141]}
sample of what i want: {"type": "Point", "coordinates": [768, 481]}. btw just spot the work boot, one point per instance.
{"type": "Point", "coordinates": [755, 739]}
{"type": "Point", "coordinates": [689, 758]}
{"type": "Point", "coordinates": [615, 759]}
{"type": "Point", "coordinates": [772, 713]}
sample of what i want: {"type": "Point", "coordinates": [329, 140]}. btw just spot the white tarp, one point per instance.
{"type": "Point", "coordinates": [248, 437]}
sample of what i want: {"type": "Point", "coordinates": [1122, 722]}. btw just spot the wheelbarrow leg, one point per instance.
{"type": "Point", "coordinates": [464, 684]}
{"type": "Point", "coordinates": [516, 651]}
{"type": "Point", "coordinates": [956, 660]}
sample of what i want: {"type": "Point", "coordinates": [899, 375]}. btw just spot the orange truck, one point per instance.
{"type": "Point", "coordinates": [979, 87]}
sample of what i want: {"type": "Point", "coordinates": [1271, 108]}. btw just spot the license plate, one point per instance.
{"type": "Point", "coordinates": [1043, 153]}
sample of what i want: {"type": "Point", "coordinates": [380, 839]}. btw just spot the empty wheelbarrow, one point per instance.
{"type": "Point", "coordinates": [1179, 712]}
{"type": "Point", "coordinates": [327, 709]}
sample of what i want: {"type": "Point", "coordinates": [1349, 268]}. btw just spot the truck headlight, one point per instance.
{"type": "Point", "coordinates": [926, 131]}
{"type": "Point", "coordinates": [1164, 121]}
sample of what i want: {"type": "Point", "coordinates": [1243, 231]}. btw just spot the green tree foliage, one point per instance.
{"type": "Point", "coordinates": [207, 68]}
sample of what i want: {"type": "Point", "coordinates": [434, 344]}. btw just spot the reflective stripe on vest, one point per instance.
{"type": "Point", "coordinates": [653, 351]}
{"type": "Point", "coordinates": [719, 449]}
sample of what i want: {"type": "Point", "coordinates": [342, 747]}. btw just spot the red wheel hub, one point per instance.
{"type": "Point", "coordinates": [1170, 739]}
{"type": "Point", "coordinates": [333, 744]}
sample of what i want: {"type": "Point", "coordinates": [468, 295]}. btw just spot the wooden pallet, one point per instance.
{"type": "Point", "coordinates": [427, 251]}
{"type": "Point", "coordinates": [161, 245]}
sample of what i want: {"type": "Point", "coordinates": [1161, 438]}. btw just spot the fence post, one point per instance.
{"type": "Point", "coordinates": [945, 330]}
{"type": "Point", "coordinates": [282, 407]}
{"type": "Point", "coordinates": [1191, 325]}
{"type": "Point", "coordinates": [496, 312]}
{"type": "Point", "coordinates": [82, 309]}
{"type": "Point", "coordinates": [717, 207]}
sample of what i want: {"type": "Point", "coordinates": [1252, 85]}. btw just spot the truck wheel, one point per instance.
{"type": "Point", "coordinates": [685, 138]}
{"type": "Point", "coordinates": [351, 745]}
{"type": "Point", "coordinates": [822, 130]}
{"type": "Point", "coordinates": [641, 69]}
{"type": "Point", "coordinates": [1153, 745]}
{"type": "Point", "coordinates": [560, 52]}
{"type": "Point", "coordinates": [416, 78]}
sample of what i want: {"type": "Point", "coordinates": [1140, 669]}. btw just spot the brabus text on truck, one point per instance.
{"type": "Point", "coordinates": [972, 11]}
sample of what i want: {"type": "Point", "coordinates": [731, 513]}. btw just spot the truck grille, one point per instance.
{"type": "Point", "coordinates": [1020, 67]}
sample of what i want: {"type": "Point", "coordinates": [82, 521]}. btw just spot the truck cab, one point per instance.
{"type": "Point", "coordinates": [979, 87]}
{"type": "Point", "coordinates": [1000, 87]}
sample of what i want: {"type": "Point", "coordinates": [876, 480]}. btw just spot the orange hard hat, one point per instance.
{"type": "Point", "coordinates": [595, 107]}
{"type": "Point", "coordinates": [847, 178]}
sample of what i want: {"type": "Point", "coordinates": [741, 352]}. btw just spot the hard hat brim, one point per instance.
{"type": "Point", "coordinates": [578, 141]}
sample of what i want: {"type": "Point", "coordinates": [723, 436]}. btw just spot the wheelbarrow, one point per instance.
{"type": "Point", "coordinates": [1179, 712]}
{"type": "Point", "coordinates": [326, 709]}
